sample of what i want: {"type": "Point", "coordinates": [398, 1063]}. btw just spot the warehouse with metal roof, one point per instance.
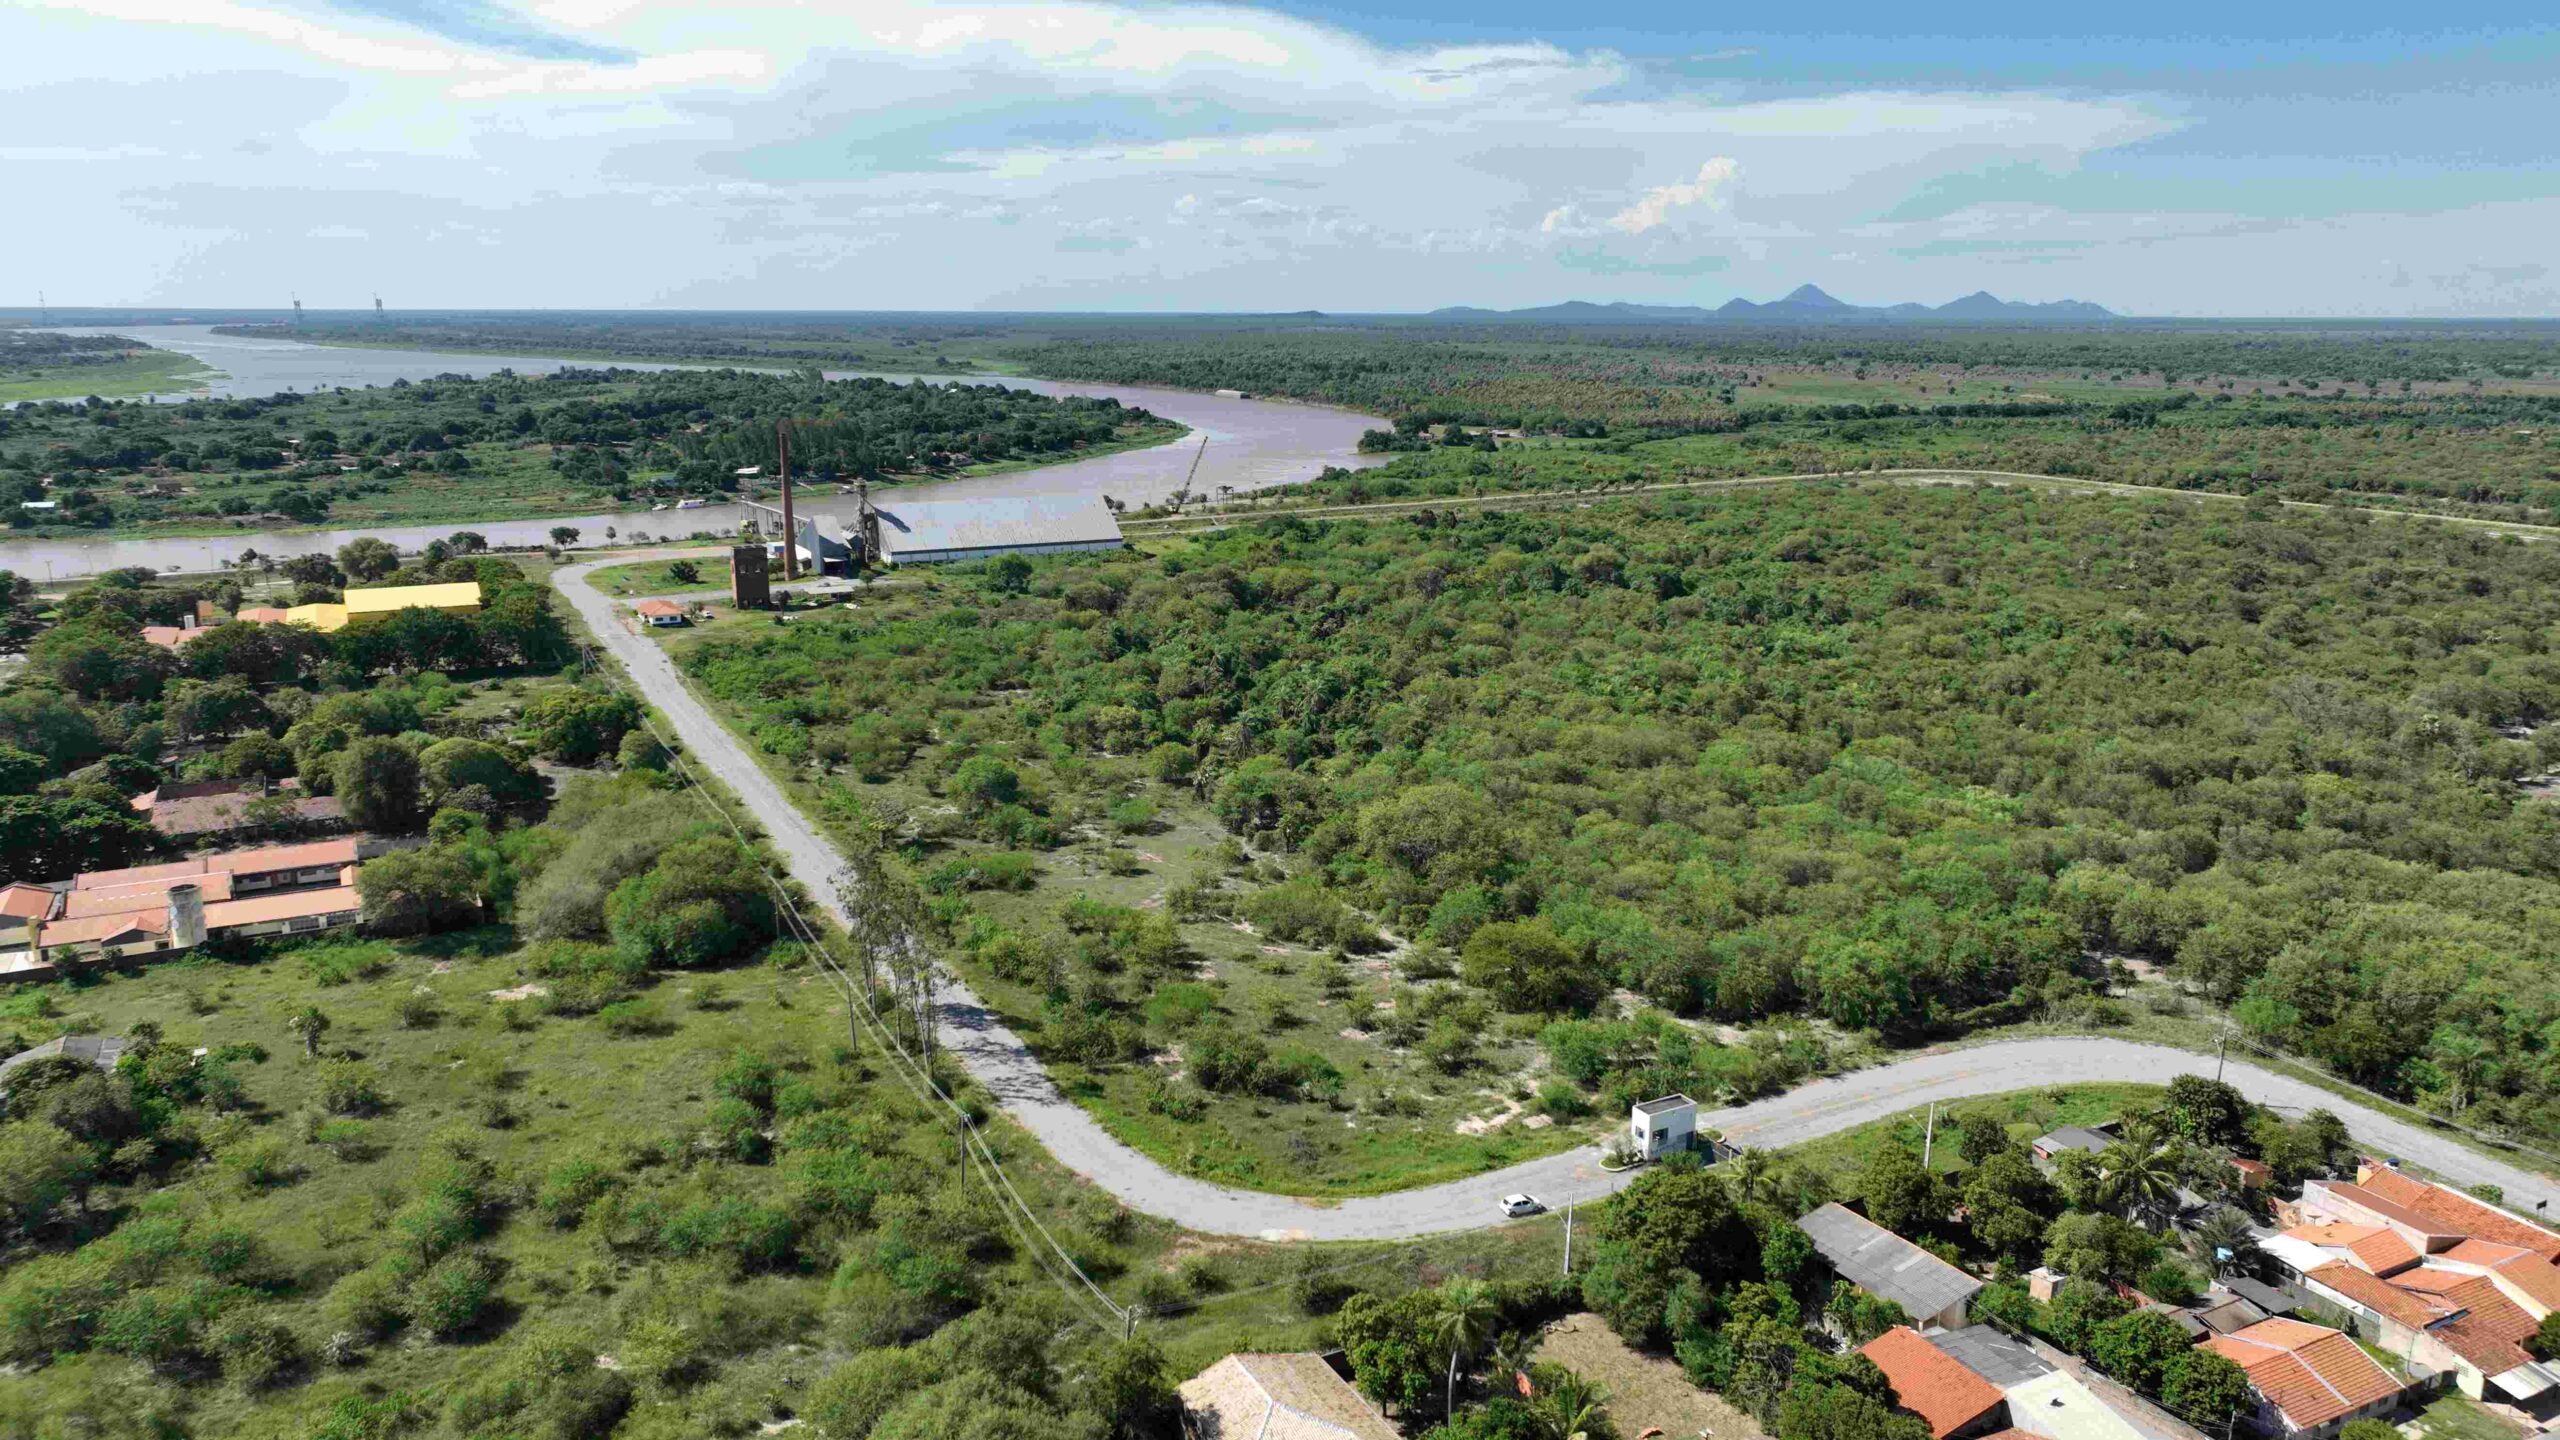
{"type": "Point", "coordinates": [930, 532]}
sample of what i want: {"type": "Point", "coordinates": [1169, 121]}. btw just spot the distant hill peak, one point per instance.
{"type": "Point", "coordinates": [1805, 302]}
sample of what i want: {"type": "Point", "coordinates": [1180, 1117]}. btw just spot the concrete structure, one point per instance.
{"type": "Point", "coordinates": [2307, 1380]}
{"type": "Point", "coordinates": [1929, 1290]}
{"type": "Point", "coordinates": [1951, 1399]}
{"type": "Point", "coordinates": [750, 584]}
{"type": "Point", "coordinates": [102, 1051]}
{"type": "Point", "coordinates": [1277, 1397]}
{"type": "Point", "coordinates": [1668, 1126]}
{"type": "Point", "coordinates": [931, 532]}
{"type": "Point", "coordinates": [825, 548]}
{"type": "Point", "coordinates": [2044, 1398]}
{"type": "Point", "coordinates": [659, 614]}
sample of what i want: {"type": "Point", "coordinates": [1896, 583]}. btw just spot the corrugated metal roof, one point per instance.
{"type": "Point", "coordinates": [1884, 1264]}
{"type": "Point", "coordinates": [996, 523]}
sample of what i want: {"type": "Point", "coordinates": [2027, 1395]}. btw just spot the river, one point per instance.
{"type": "Point", "coordinates": [1252, 445]}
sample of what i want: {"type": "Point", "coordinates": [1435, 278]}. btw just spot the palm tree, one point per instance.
{"type": "Point", "coordinates": [309, 1023]}
{"type": "Point", "coordinates": [1463, 1322]}
{"type": "Point", "coordinates": [1570, 1406]}
{"type": "Point", "coordinates": [2140, 1174]}
{"type": "Point", "coordinates": [2220, 1240]}
{"type": "Point", "coordinates": [1751, 1175]}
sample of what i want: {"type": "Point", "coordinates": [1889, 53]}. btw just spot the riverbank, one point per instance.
{"type": "Point", "coordinates": [139, 372]}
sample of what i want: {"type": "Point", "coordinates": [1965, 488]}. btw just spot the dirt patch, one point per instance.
{"type": "Point", "coordinates": [1480, 1124]}
{"type": "Point", "coordinates": [521, 992]}
{"type": "Point", "coordinates": [1644, 1391]}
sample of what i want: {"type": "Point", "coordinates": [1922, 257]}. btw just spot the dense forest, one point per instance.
{"type": "Point", "coordinates": [1908, 761]}
{"type": "Point", "coordinates": [475, 449]}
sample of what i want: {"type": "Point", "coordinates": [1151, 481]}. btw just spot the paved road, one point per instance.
{"type": "Point", "coordinates": [995, 1056]}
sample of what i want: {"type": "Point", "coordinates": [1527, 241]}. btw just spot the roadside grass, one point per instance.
{"type": "Point", "coordinates": [139, 372]}
{"type": "Point", "coordinates": [2453, 1416]}
{"type": "Point", "coordinates": [654, 577]}
{"type": "Point", "coordinates": [2026, 1114]}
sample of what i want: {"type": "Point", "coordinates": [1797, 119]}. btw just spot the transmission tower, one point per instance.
{"type": "Point", "coordinates": [44, 312]}
{"type": "Point", "coordinates": [297, 310]}
{"type": "Point", "coordinates": [377, 309]}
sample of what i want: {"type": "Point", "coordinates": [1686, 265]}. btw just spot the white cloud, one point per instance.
{"type": "Point", "coordinates": [1715, 178]}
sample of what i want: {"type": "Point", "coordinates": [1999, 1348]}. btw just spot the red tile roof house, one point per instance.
{"type": "Point", "coordinates": [192, 809]}
{"type": "Point", "coordinates": [1952, 1400]}
{"type": "Point", "coordinates": [2307, 1380]}
{"type": "Point", "coordinates": [107, 914]}
{"type": "Point", "coordinates": [2446, 1281]}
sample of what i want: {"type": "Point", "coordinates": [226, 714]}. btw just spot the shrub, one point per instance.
{"type": "Point", "coordinates": [1304, 912]}
{"type": "Point", "coordinates": [338, 962]}
{"type": "Point", "coordinates": [350, 1087]}
{"type": "Point", "coordinates": [257, 1351]}
{"type": "Point", "coordinates": [995, 870]}
{"type": "Point", "coordinates": [365, 1303]}
{"type": "Point", "coordinates": [418, 1010]}
{"type": "Point", "coordinates": [629, 1018]}
{"type": "Point", "coordinates": [569, 1189]}
{"type": "Point", "coordinates": [453, 1293]}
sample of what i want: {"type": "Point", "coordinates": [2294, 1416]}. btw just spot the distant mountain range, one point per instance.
{"type": "Point", "coordinates": [1805, 302]}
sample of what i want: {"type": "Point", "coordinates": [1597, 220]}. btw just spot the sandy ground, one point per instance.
{"type": "Point", "coordinates": [1644, 1390]}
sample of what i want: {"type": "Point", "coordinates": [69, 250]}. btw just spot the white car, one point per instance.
{"type": "Point", "coordinates": [1516, 1206]}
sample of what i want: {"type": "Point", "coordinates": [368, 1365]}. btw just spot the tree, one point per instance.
{"type": "Point", "coordinates": [20, 772]}
{"type": "Point", "coordinates": [2139, 1174]}
{"type": "Point", "coordinates": [2209, 1390]}
{"type": "Point", "coordinates": [684, 572]}
{"type": "Point", "coordinates": [1526, 967]}
{"type": "Point", "coordinates": [1388, 1345]}
{"type": "Point", "coordinates": [2207, 1112]}
{"type": "Point", "coordinates": [2138, 1347]}
{"type": "Point", "coordinates": [308, 1024]}
{"type": "Point", "coordinates": [41, 1168]}
{"type": "Point", "coordinates": [1462, 1320]}
{"type": "Point", "coordinates": [368, 558]}
{"type": "Point", "coordinates": [2008, 1203]}
{"type": "Point", "coordinates": [44, 838]}
{"type": "Point", "coordinates": [1899, 1195]}
{"type": "Point", "coordinates": [2079, 1308]}
{"type": "Point", "coordinates": [705, 900]}
{"type": "Point", "coordinates": [2093, 1245]}
{"type": "Point", "coordinates": [1838, 1412]}
{"type": "Point", "coordinates": [1127, 1385]}
{"type": "Point", "coordinates": [377, 783]}
{"type": "Point", "coordinates": [563, 536]}
{"type": "Point", "coordinates": [1985, 1135]}
{"type": "Point", "coordinates": [2545, 1343]}
{"type": "Point", "coordinates": [1010, 574]}
{"type": "Point", "coordinates": [450, 766]}
{"type": "Point", "coordinates": [2222, 1240]}
{"type": "Point", "coordinates": [314, 569]}
{"type": "Point", "coordinates": [577, 726]}
{"type": "Point", "coordinates": [418, 892]}
{"type": "Point", "coordinates": [467, 542]}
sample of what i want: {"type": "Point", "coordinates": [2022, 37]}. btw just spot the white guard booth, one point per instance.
{"type": "Point", "coordinates": [1663, 1127]}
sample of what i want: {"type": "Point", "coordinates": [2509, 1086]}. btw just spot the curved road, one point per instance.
{"type": "Point", "coordinates": [997, 1059]}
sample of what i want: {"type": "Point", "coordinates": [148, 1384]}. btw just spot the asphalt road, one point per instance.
{"type": "Point", "coordinates": [996, 1058]}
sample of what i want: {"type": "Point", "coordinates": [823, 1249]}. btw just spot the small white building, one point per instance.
{"type": "Point", "coordinates": [1663, 1127]}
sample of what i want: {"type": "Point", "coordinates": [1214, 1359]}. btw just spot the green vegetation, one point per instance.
{"type": "Point", "coordinates": [38, 365]}
{"type": "Point", "coordinates": [455, 450]}
{"type": "Point", "coordinates": [1840, 759]}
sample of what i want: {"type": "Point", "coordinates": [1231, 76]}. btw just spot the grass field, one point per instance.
{"type": "Point", "coordinates": [2025, 1113]}
{"type": "Point", "coordinates": [140, 372]}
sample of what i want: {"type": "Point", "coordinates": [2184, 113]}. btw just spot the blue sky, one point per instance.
{"type": "Point", "coordinates": [2174, 158]}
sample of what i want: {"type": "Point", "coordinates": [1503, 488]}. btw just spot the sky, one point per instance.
{"type": "Point", "coordinates": [2171, 158]}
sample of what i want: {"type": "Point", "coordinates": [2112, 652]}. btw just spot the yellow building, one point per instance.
{"type": "Point", "coordinates": [363, 607]}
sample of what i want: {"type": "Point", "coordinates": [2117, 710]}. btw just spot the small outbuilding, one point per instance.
{"type": "Point", "coordinates": [659, 614]}
{"type": "Point", "coordinates": [1667, 1126]}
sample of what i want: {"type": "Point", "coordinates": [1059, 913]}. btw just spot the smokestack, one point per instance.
{"type": "Point", "coordinates": [790, 531]}
{"type": "Point", "coordinates": [186, 917]}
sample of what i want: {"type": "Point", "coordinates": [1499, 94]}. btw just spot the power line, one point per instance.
{"type": "Point", "coordinates": [919, 1079]}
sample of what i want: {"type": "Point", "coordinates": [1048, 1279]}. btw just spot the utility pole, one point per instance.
{"type": "Point", "coordinates": [2221, 1048]}
{"type": "Point", "coordinates": [1929, 1138]}
{"type": "Point", "coordinates": [1568, 1239]}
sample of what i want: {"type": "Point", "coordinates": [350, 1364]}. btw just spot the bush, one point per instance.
{"type": "Point", "coordinates": [453, 1294]}
{"type": "Point", "coordinates": [257, 1351]}
{"type": "Point", "coordinates": [629, 1018]}
{"type": "Point", "coordinates": [349, 1087]}
{"type": "Point", "coordinates": [339, 961]}
{"type": "Point", "coordinates": [1304, 912]}
{"type": "Point", "coordinates": [365, 1303]}
{"type": "Point", "coordinates": [996, 870]}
